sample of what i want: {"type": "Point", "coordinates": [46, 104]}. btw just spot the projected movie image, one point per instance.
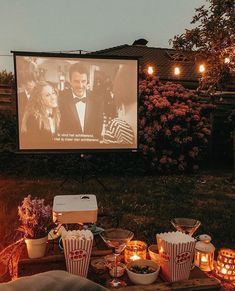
{"type": "Point", "coordinates": [76, 103]}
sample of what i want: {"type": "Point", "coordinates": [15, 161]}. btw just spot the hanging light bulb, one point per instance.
{"type": "Point", "coordinates": [227, 60]}
{"type": "Point", "coordinates": [177, 71]}
{"type": "Point", "coordinates": [202, 68]}
{"type": "Point", "coordinates": [150, 70]}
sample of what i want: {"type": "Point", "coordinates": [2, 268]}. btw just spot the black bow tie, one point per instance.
{"type": "Point", "coordinates": [77, 99]}
{"type": "Point", "coordinates": [50, 115]}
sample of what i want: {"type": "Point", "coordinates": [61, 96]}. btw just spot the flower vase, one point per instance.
{"type": "Point", "coordinates": [36, 247]}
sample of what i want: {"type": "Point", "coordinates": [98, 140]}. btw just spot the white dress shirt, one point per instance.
{"type": "Point", "coordinates": [81, 109]}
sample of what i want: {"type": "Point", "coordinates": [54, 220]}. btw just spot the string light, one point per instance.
{"type": "Point", "coordinates": [227, 60]}
{"type": "Point", "coordinates": [177, 71]}
{"type": "Point", "coordinates": [202, 68]}
{"type": "Point", "coordinates": [150, 70]}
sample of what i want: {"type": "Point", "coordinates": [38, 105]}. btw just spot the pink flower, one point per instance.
{"type": "Point", "coordinates": [163, 118]}
{"type": "Point", "coordinates": [206, 131]}
{"type": "Point", "coordinates": [150, 107]}
{"type": "Point", "coordinates": [168, 132]}
{"type": "Point", "coordinates": [170, 116]}
{"type": "Point", "coordinates": [176, 128]}
{"type": "Point", "coordinates": [163, 160]}
{"type": "Point", "coordinates": [142, 122]}
{"type": "Point", "coordinates": [196, 117]}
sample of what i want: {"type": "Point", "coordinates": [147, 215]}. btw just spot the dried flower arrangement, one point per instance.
{"type": "Point", "coordinates": [35, 217]}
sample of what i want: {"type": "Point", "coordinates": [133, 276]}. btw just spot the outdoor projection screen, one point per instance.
{"type": "Point", "coordinates": [76, 102]}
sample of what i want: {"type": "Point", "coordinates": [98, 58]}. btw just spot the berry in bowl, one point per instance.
{"type": "Point", "coordinates": [143, 272]}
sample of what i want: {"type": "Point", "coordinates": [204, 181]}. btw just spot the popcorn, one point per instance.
{"type": "Point", "coordinates": [176, 250]}
{"type": "Point", "coordinates": [77, 234]}
{"type": "Point", "coordinates": [77, 250]}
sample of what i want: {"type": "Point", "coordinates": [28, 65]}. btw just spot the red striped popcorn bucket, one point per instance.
{"type": "Point", "coordinates": [77, 252]}
{"type": "Point", "coordinates": [176, 251]}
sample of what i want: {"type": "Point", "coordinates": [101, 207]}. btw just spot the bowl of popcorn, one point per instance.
{"type": "Point", "coordinates": [143, 272]}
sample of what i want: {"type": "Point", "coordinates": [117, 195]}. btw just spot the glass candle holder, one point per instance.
{"type": "Point", "coordinates": [135, 250]}
{"type": "Point", "coordinates": [225, 266]}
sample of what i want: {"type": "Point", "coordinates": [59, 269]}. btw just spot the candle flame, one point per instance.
{"type": "Point", "coordinates": [135, 257]}
{"type": "Point", "coordinates": [204, 259]}
{"type": "Point", "coordinates": [224, 271]}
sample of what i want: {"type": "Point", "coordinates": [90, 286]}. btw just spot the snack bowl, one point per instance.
{"type": "Point", "coordinates": [143, 272]}
{"type": "Point", "coordinates": [153, 253]}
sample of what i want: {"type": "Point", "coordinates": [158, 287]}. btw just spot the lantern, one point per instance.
{"type": "Point", "coordinates": [204, 253]}
{"type": "Point", "coordinates": [135, 250]}
{"type": "Point", "coordinates": [225, 266]}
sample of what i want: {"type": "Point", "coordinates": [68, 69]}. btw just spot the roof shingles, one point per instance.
{"type": "Point", "coordinates": [163, 59]}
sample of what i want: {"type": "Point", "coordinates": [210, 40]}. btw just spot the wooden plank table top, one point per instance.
{"type": "Point", "coordinates": [54, 260]}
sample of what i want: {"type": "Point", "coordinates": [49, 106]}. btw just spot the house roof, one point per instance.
{"type": "Point", "coordinates": [164, 60]}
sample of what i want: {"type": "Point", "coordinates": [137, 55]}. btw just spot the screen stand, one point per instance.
{"type": "Point", "coordinates": [87, 171]}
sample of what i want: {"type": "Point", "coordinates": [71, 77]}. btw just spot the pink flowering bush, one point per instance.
{"type": "Point", "coordinates": [174, 128]}
{"type": "Point", "coordinates": [35, 217]}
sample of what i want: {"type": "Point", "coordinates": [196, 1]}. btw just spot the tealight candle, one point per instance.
{"type": "Point", "coordinates": [135, 250]}
{"type": "Point", "coordinates": [134, 258]}
{"type": "Point", "coordinates": [225, 266]}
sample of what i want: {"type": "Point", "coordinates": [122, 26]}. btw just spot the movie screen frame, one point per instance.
{"type": "Point", "coordinates": [76, 102]}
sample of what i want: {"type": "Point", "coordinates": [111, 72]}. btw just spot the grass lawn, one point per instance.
{"type": "Point", "coordinates": [142, 203]}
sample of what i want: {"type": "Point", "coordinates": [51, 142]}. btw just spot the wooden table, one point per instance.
{"type": "Point", "coordinates": [54, 260]}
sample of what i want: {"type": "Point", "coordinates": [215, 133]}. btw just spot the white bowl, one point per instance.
{"type": "Point", "coordinates": [143, 279]}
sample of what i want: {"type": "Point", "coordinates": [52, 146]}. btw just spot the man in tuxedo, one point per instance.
{"type": "Point", "coordinates": [81, 110]}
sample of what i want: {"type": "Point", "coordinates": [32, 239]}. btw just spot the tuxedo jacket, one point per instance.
{"type": "Point", "coordinates": [70, 122]}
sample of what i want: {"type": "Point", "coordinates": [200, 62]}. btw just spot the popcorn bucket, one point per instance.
{"type": "Point", "coordinates": [77, 251]}
{"type": "Point", "coordinates": [176, 251]}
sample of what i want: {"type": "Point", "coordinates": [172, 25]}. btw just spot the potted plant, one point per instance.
{"type": "Point", "coordinates": [36, 222]}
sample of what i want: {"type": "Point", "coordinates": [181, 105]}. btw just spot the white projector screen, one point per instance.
{"type": "Point", "coordinates": [76, 102]}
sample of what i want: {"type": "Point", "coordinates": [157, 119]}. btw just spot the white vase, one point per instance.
{"type": "Point", "coordinates": [36, 247]}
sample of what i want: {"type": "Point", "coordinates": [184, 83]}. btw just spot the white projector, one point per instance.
{"type": "Point", "coordinates": [75, 209]}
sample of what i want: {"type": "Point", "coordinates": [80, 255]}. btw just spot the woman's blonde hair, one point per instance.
{"type": "Point", "coordinates": [36, 108]}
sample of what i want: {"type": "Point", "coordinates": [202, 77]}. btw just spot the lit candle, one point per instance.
{"type": "Point", "coordinates": [135, 250]}
{"type": "Point", "coordinates": [134, 258]}
{"type": "Point", "coordinates": [223, 271]}
{"type": "Point", "coordinates": [204, 259]}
